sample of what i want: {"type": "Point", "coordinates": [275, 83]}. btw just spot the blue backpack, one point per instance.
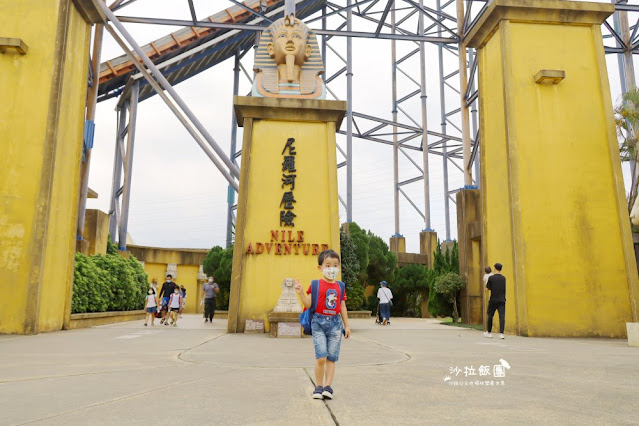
{"type": "Point", "coordinates": [307, 315]}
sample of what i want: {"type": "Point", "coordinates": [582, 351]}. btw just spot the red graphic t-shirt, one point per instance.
{"type": "Point", "coordinates": [327, 298]}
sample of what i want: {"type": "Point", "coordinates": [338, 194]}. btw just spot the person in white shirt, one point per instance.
{"type": "Point", "coordinates": [384, 294]}
{"type": "Point", "coordinates": [174, 306]}
{"type": "Point", "coordinates": [151, 307]}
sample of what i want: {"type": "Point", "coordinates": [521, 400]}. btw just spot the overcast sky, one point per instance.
{"type": "Point", "coordinates": [178, 197]}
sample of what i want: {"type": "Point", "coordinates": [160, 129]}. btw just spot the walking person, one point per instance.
{"type": "Point", "coordinates": [384, 294]}
{"type": "Point", "coordinates": [209, 291]}
{"type": "Point", "coordinates": [326, 322]}
{"type": "Point", "coordinates": [497, 302]}
{"type": "Point", "coordinates": [175, 302]}
{"type": "Point", "coordinates": [183, 303]}
{"type": "Point", "coordinates": [168, 287]}
{"type": "Point", "coordinates": [151, 306]}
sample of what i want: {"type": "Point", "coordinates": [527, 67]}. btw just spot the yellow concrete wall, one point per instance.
{"type": "Point", "coordinates": [55, 306]}
{"type": "Point", "coordinates": [155, 270]}
{"type": "Point", "coordinates": [316, 209]}
{"type": "Point", "coordinates": [187, 276]}
{"type": "Point", "coordinates": [495, 191]}
{"type": "Point", "coordinates": [96, 231]}
{"type": "Point", "coordinates": [39, 158]}
{"type": "Point", "coordinates": [551, 175]}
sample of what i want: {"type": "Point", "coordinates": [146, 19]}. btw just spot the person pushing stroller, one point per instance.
{"type": "Point", "coordinates": [385, 296]}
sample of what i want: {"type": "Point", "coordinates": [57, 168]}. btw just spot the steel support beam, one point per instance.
{"type": "Point", "coordinates": [422, 71]}
{"type": "Point", "coordinates": [128, 167]}
{"type": "Point", "coordinates": [349, 116]}
{"type": "Point", "coordinates": [394, 112]}
{"type": "Point", "coordinates": [176, 111]}
{"type": "Point", "coordinates": [442, 105]}
{"type": "Point", "coordinates": [114, 213]}
{"type": "Point", "coordinates": [231, 191]}
{"type": "Point", "coordinates": [167, 86]}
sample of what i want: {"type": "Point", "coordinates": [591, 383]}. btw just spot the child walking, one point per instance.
{"type": "Point", "coordinates": [326, 322]}
{"type": "Point", "coordinates": [174, 306]}
{"type": "Point", "coordinates": [151, 307]}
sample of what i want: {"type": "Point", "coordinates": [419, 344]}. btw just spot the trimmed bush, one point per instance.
{"type": "Point", "coordinates": [108, 283]}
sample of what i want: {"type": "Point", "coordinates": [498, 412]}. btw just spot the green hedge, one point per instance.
{"type": "Point", "coordinates": [108, 283]}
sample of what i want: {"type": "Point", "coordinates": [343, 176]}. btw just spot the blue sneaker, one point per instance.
{"type": "Point", "coordinates": [317, 393]}
{"type": "Point", "coordinates": [328, 392]}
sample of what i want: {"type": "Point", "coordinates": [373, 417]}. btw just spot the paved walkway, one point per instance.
{"type": "Point", "coordinates": [197, 374]}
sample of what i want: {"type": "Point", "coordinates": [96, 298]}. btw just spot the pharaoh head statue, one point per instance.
{"type": "Point", "coordinates": [288, 62]}
{"type": "Point", "coordinates": [289, 42]}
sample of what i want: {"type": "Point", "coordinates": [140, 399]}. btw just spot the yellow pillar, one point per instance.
{"type": "Point", "coordinates": [41, 121]}
{"type": "Point", "coordinates": [468, 204]}
{"type": "Point", "coordinates": [267, 248]}
{"type": "Point", "coordinates": [553, 200]}
{"type": "Point", "coordinates": [428, 246]}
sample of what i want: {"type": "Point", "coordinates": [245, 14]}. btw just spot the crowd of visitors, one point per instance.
{"type": "Point", "coordinates": [169, 303]}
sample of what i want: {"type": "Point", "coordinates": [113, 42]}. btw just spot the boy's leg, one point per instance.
{"type": "Point", "coordinates": [333, 342]}
{"type": "Point", "coordinates": [321, 351]}
{"type": "Point", "coordinates": [329, 373]}
{"type": "Point", "coordinates": [320, 366]}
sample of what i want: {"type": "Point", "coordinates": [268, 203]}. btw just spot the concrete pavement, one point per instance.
{"type": "Point", "coordinates": [195, 373]}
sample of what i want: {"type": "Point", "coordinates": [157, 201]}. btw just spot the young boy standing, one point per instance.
{"type": "Point", "coordinates": [326, 322]}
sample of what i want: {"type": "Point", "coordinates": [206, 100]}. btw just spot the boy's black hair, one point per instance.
{"type": "Point", "coordinates": [498, 266]}
{"type": "Point", "coordinates": [488, 270]}
{"type": "Point", "coordinates": [169, 276]}
{"type": "Point", "coordinates": [327, 253]}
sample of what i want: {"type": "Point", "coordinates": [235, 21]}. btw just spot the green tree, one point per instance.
{"type": "Point", "coordinates": [382, 262]}
{"type": "Point", "coordinates": [447, 261]}
{"type": "Point", "coordinates": [350, 272]}
{"type": "Point", "coordinates": [360, 239]}
{"type": "Point", "coordinates": [627, 122]}
{"type": "Point", "coordinates": [449, 285]}
{"type": "Point", "coordinates": [112, 248]}
{"type": "Point", "coordinates": [411, 284]}
{"type": "Point", "coordinates": [219, 264]}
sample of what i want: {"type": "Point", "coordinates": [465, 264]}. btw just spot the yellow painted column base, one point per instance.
{"type": "Point", "coordinates": [287, 208]}
{"type": "Point", "coordinates": [41, 137]}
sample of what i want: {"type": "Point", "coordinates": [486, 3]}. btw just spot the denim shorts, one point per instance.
{"type": "Point", "coordinates": [327, 336]}
{"type": "Point", "coordinates": [151, 310]}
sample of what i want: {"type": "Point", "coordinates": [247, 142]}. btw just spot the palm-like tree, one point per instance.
{"type": "Point", "coordinates": [627, 122]}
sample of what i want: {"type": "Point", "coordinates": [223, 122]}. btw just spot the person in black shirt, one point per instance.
{"type": "Point", "coordinates": [497, 302]}
{"type": "Point", "coordinates": [168, 287]}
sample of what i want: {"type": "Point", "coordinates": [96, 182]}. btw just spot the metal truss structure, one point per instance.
{"type": "Point", "coordinates": [416, 29]}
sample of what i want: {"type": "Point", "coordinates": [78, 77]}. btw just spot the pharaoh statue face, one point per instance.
{"type": "Point", "coordinates": [289, 41]}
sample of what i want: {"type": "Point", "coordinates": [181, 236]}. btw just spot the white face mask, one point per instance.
{"type": "Point", "coordinates": [330, 273]}
{"type": "Point", "coordinates": [210, 281]}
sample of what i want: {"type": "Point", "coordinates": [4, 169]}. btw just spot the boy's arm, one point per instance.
{"type": "Point", "coordinates": [347, 326]}
{"type": "Point", "coordinates": [305, 298]}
